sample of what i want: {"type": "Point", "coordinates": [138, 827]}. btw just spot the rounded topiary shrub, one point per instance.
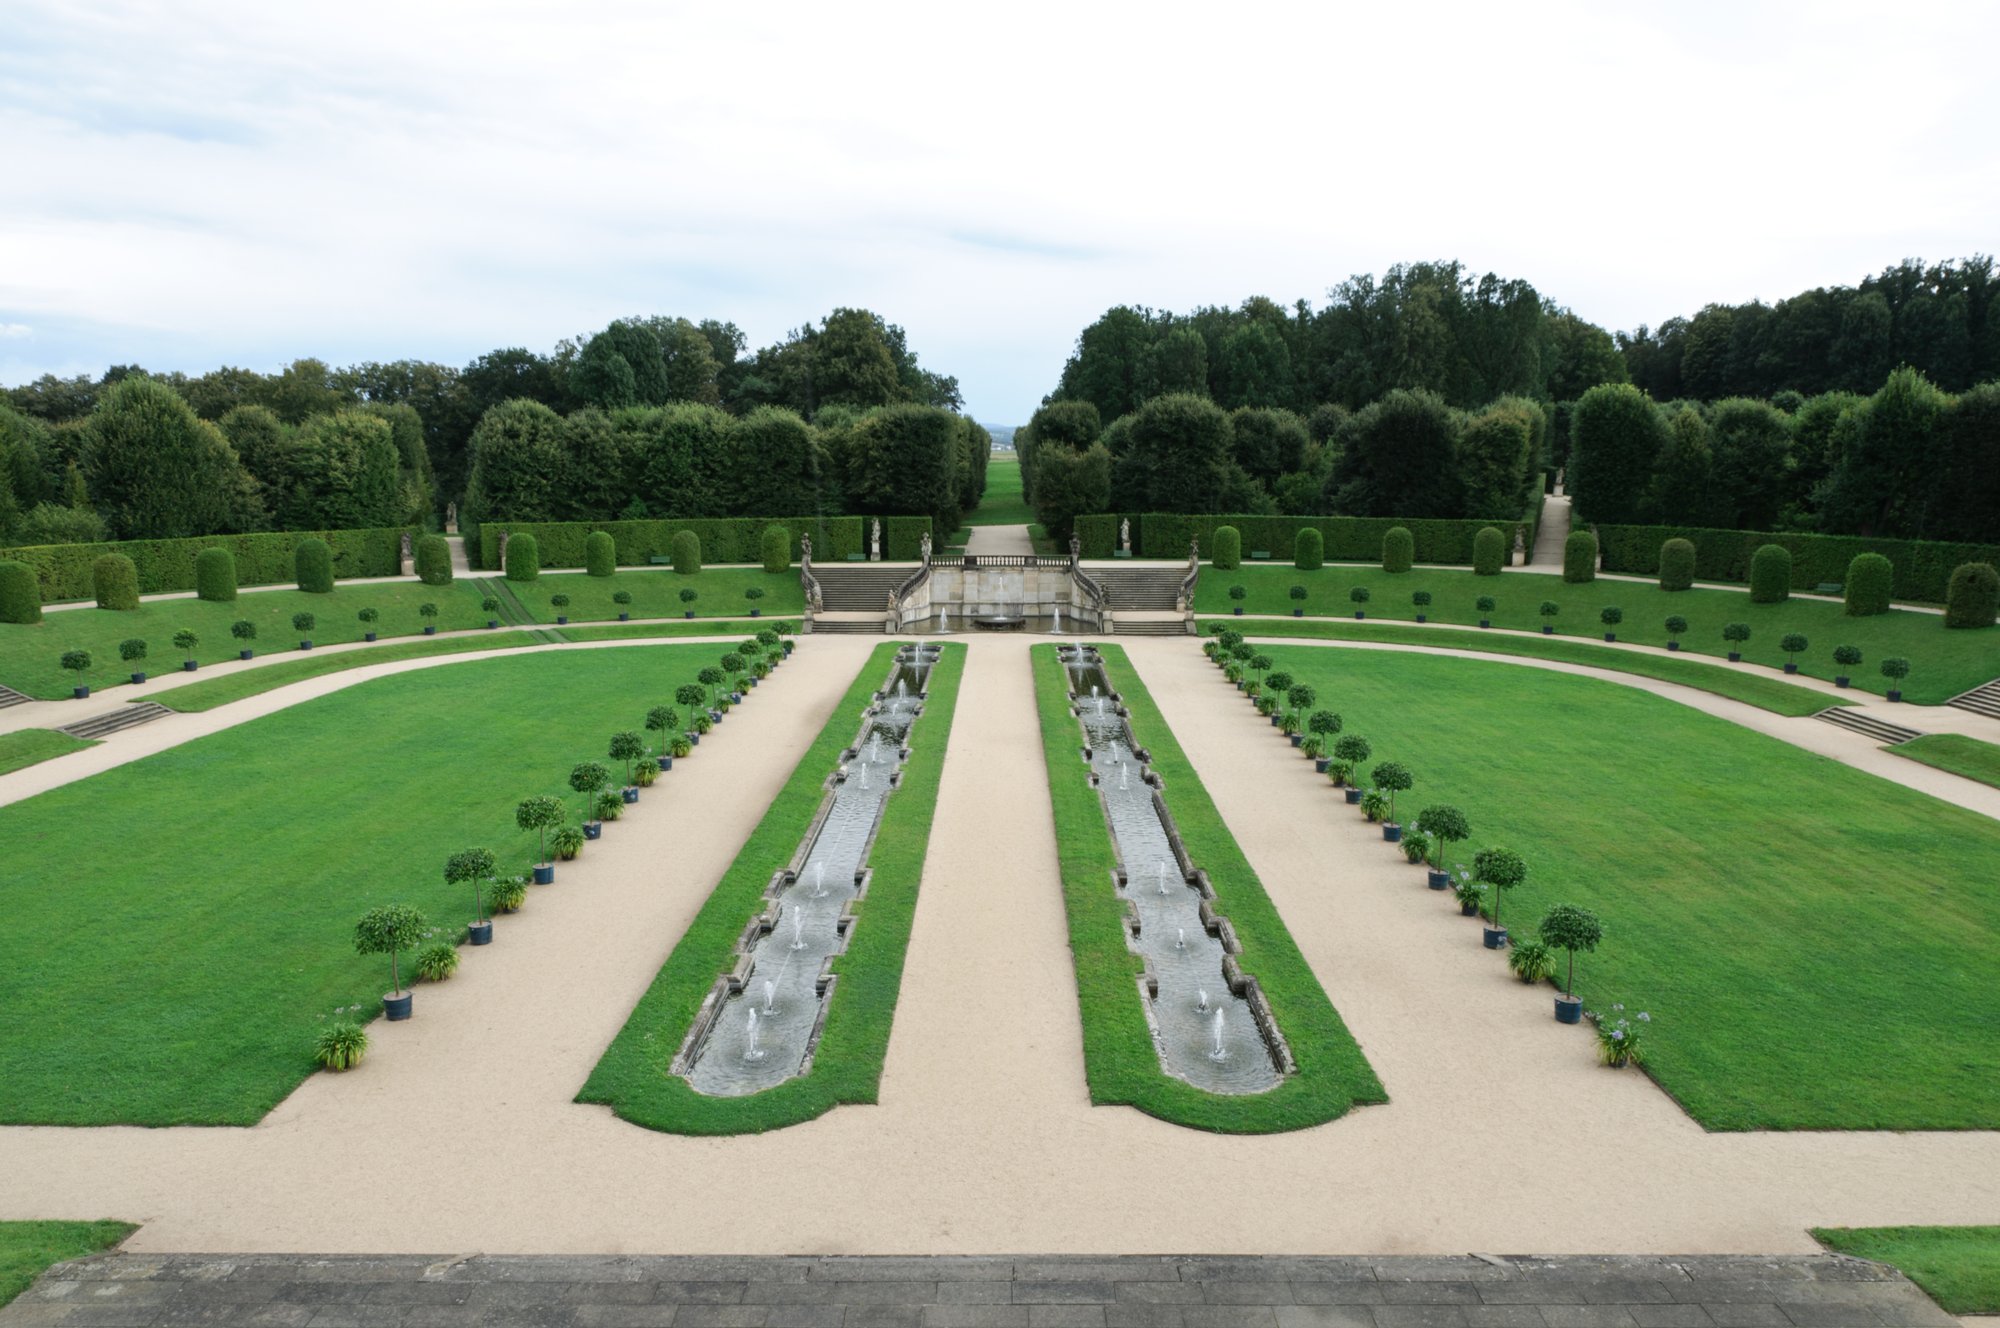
{"type": "Point", "coordinates": [524, 558]}
{"type": "Point", "coordinates": [687, 552]}
{"type": "Point", "coordinates": [1309, 550]}
{"type": "Point", "coordinates": [1399, 549]}
{"type": "Point", "coordinates": [20, 594]}
{"type": "Point", "coordinates": [313, 561]}
{"type": "Point", "coordinates": [1489, 551]}
{"type": "Point", "coordinates": [774, 546]}
{"type": "Point", "coordinates": [1771, 574]}
{"type": "Point", "coordinates": [1580, 557]}
{"type": "Point", "coordinates": [1227, 555]}
{"type": "Point", "coordinates": [434, 560]}
{"type": "Point", "coordinates": [1677, 565]}
{"type": "Point", "coordinates": [215, 575]}
{"type": "Point", "coordinates": [115, 581]}
{"type": "Point", "coordinates": [600, 553]}
{"type": "Point", "coordinates": [1870, 578]}
{"type": "Point", "coordinates": [1971, 601]}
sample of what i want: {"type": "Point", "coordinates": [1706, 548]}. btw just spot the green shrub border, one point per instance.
{"type": "Point", "coordinates": [1923, 567]}
{"type": "Point", "coordinates": [723, 539]}
{"type": "Point", "coordinates": [1347, 539]}
{"type": "Point", "coordinates": [632, 1078]}
{"type": "Point", "coordinates": [1119, 1059]}
{"type": "Point", "coordinates": [168, 564]}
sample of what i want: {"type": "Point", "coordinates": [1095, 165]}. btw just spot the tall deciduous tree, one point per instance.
{"type": "Point", "coordinates": [1400, 458]}
{"type": "Point", "coordinates": [157, 471]}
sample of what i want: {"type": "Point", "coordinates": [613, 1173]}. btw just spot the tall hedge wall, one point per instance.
{"type": "Point", "coordinates": [1349, 539]}
{"type": "Point", "coordinates": [723, 539]}
{"type": "Point", "coordinates": [1099, 536]}
{"type": "Point", "coordinates": [902, 538]}
{"type": "Point", "coordinates": [1923, 567]}
{"type": "Point", "coordinates": [168, 564]}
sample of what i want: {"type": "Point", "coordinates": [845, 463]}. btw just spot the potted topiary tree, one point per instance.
{"type": "Point", "coordinates": [1485, 604]}
{"type": "Point", "coordinates": [541, 813]}
{"type": "Point", "coordinates": [428, 612]}
{"type": "Point", "coordinates": [623, 599]}
{"type": "Point", "coordinates": [133, 651]}
{"type": "Point", "coordinates": [1611, 617]}
{"type": "Point", "coordinates": [1299, 698]}
{"type": "Point", "coordinates": [1793, 644]}
{"type": "Point", "coordinates": [185, 641]}
{"type": "Point", "coordinates": [78, 662]}
{"type": "Point", "coordinates": [711, 678]}
{"type": "Point", "coordinates": [1422, 600]}
{"type": "Point", "coordinates": [663, 720]}
{"type": "Point", "coordinates": [753, 594]}
{"type": "Point", "coordinates": [1676, 625]}
{"type": "Point", "coordinates": [390, 929]}
{"type": "Point", "coordinates": [1570, 927]}
{"type": "Point", "coordinates": [587, 777]}
{"type": "Point", "coordinates": [1359, 596]}
{"type": "Point", "coordinates": [692, 695]}
{"type": "Point", "coordinates": [1325, 725]}
{"type": "Point", "coordinates": [1259, 665]}
{"type": "Point", "coordinates": [559, 602]}
{"type": "Point", "coordinates": [1549, 610]}
{"type": "Point", "coordinates": [1895, 669]}
{"type": "Point", "coordinates": [1846, 657]}
{"type": "Point", "coordinates": [473, 867]}
{"type": "Point", "coordinates": [1391, 777]}
{"type": "Point", "coordinates": [491, 607]}
{"type": "Point", "coordinates": [732, 670]}
{"type": "Point", "coordinates": [688, 596]}
{"type": "Point", "coordinates": [244, 630]}
{"type": "Point", "coordinates": [302, 623]}
{"type": "Point", "coordinates": [1443, 825]}
{"type": "Point", "coordinates": [368, 619]}
{"type": "Point", "coordinates": [628, 747]}
{"type": "Point", "coordinates": [1736, 634]}
{"type": "Point", "coordinates": [1298, 594]}
{"type": "Point", "coordinates": [1349, 752]}
{"type": "Point", "coordinates": [1502, 869]}
{"type": "Point", "coordinates": [1275, 688]}
{"type": "Point", "coordinates": [1239, 594]}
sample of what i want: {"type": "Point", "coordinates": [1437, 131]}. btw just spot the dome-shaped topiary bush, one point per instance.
{"type": "Point", "coordinates": [434, 560]}
{"type": "Point", "coordinates": [20, 594]}
{"type": "Point", "coordinates": [215, 576]}
{"type": "Point", "coordinates": [1580, 557]}
{"type": "Point", "coordinates": [600, 553]}
{"type": "Point", "coordinates": [1870, 580]}
{"type": "Point", "coordinates": [1489, 551]}
{"type": "Point", "coordinates": [687, 552]}
{"type": "Point", "coordinates": [116, 582]}
{"type": "Point", "coordinates": [1677, 565]}
{"type": "Point", "coordinates": [524, 558]}
{"type": "Point", "coordinates": [1771, 574]}
{"type": "Point", "coordinates": [1972, 599]}
{"type": "Point", "coordinates": [1309, 549]}
{"type": "Point", "coordinates": [1399, 549]}
{"type": "Point", "coordinates": [774, 546]}
{"type": "Point", "coordinates": [313, 561]}
{"type": "Point", "coordinates": [1227, 555]}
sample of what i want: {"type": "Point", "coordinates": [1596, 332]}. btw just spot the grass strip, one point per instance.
{"type": "Point", "coordinates": [1958, 1266]}
{"type": "Point", "coordinates": [633, 1077]}
{"type": "Point", "coordinates": [26, 747]}
{"type": "Point", "coordinates": [253, 682]}
{"type": "Point", "coordinates": [1002, 504]}
{"type": "Point", "coordinates": [1781, 698]}
{"type": "Point", "coordinates": [1120, 1061]}
{"type": "Point", "coordinates": [28, 1249]}
{"type": "Point", "coordinates": [1957, 753]}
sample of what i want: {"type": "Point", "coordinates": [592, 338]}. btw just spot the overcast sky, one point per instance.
{"type": "Point", "coordinates": [200, 183]}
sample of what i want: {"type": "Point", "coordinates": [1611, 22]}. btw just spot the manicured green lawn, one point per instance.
{"type": "Point", "coordinates": [1120, 1061]}
{"type": "Point", "coordinates": [28, 1249]}
{"type": "Point", "coordinates": [656, 593]}
{"type": "Point", "coordinates": [26, 747]}
{"type": "Point", "coordinates": [1813, 943]}
{"type": "Point", "coordinates": [1002, 504]}
{"type": "Point", "coordinates": [1958, 1266]}
{"type": "Point", "coordinates": [1771, 694]}
{"type": "Point", "coordinates": [1943, 662]}
{"type": "Point", "coordinates": [177, 927]}
{"type": "Point", "coordinates": [633, 1078]}
{"type": "Point", "coordinates": [30, 655]}
{"type": "Point", "coordinates": [1957, 753]}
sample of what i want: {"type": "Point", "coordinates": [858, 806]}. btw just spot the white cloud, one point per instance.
{"type": "Point", "coordinates": [210, 182]}
{"type": "Point", "coordinates": [15, 331]}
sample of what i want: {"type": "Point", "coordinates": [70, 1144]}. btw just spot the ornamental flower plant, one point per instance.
{"type": "Point", "coordinates": [1618, 1038]}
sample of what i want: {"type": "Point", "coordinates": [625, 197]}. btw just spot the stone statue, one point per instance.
{"type": "Point", "coordinates": [502, 548]}
{"type": "Point", "coordinates": [451, 518]}
{"type": "Point", "coordinates": [875, 543]}
{"type": "Point", "coordinates": [404, 565]}
{"type": "Point", "coordinates": [1194, 548]}
{"type": "Point", "coordinates": [927, 546]}
{"type": "Point", "coordinates": [1125, 534]}
{"type": "Point", "coordinates": [805, 549]}
{"type": "Point", "coordinates": [1075, 546]}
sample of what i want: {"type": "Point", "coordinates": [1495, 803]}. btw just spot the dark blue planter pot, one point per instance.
{"type": "Point", "coordinates": [1569, 1010]}
{"type": "Point", "coordinates": [1275, 720]}
{"type": "Point", "coordinates": [1485, 623]}
{"type": "Point", "coordinates": [631, 795]}
{"type": "Point", "coordinates": [1791, 668]}
{"type": "Point", "coordinates": [188, 666]}
{"type": "Point", "coordinates": [305, 645]}
{"type": "Point", "coordinates": [1548, 630]}
{"type": "Point", "coordinates": [1320, 763]}
{"type": "Point", "coordinates": [245, 654]}
{"type": "Point", "coordinates": [1895, 695]}
{"type": "Point", "coordinates": [397, 1007]}
{"type": "Point", "coordinates": [562, 620]}
{"type": "Point", "coordinates": [1611, 636]}
{"type": "Point", "coordinates": [1839, 679]}
{"type": "Point", "coordinates": [1360, 613]}
{"type": "Point", "coordinates": [1238, 610]}
{"type": "Point", "coordinates": [1735, 657]}
{"type": "Point", "coordinates": [138, 678]}
{"type": "Point", "coordinates": [492, 624]}
{"type": "Point", "coordinates": [429, 630]}
{"type": "Point", "coordinates": [368, 636]}
{"type": "Point", "coordinates": [624, 617]}
{"type": "Point", "coordinates": [1470, 910]}
{"type": "Point", "coordinates": [1353, 795]}
{"type": "Point", "coordinates": [545, 873]}
{"type": "Point", "coordinates": [1422, 618]}
{"type": "Point", "coordinates": [1392, 832]}
{"type": "Point", "coordinates": [1496, 938]}
{"type": "Point", "coordinates": [756, 613]}
{"type": "Point", "coordinates": [1673, 645]}
{"type": "Point", "coordinates": [694, 739]}
{"type": "Point", "coordinates": [593, 829]}
{"type": "Point", "coordinates": [1298, 613]}
{"type": "Point", "coordinates": [479, 933]}
{"type": "Point", "coordinates": [1440, 880]}
{"type": "Point", "coordinates": [80, 693]}
{"type": "Point", "coordinates": [1296, 738]}
{"type": "Point", "coordinates": [715, 716]}
{"type": "Point", "coordinates": [688, 614]}
{"type": "Point", "coordinates": [736, 698]}
{"type": "Point", "coordinates": [666, 763]}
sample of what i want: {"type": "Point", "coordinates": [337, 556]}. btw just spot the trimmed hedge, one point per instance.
{"type": "Point", "coordinates": [600, 553]}
{"type": "Point", "coordinates": [1399, 548]}
{"type": "Point", "coordinates": [164, 565]}
{"type": "Point", "coordinates": [433, 556]}
{"type": "Point", "coordinates": [1971, 601]}
{"type": "Point", "coordinates": [1869, 579]}
{"type": "Point", "coordinates": [1771, 574]}
{"type": "Point", "coordinates": [215, 576]}
{"type": "Point", "coordinates": [1098, 534]}
{"type": "Point", "coordinates": [313, 561]}
{"type": "Point", "coordinates": [1347, 539]}
{"type": "Point", "coordinates": [1923, 568]}
{"type": "Point", "coordinates": [20, 593]}
{"type": "Point", "coordinates": [687, 552]}
{"type": "Point", "coordinates": [903, 538]}
{"type": "Point", "coordinates": [1226, 551]}
{"type": "Point", "coordinates": [524, 558]}
{"type": "Point", "coordinates": [1489, 551]}
{"type": "Point", "coordinates": [115, 581]}
{"type": "Point", "coordinates": [1309, 550]}
{"type": "Point", "coordinates": [1677, 565]}
{"type": "Point", "coordinates": [723, 539]}
{"type": "Point", "coordinates": [775, 548]}
{"type": "Point", "coordinates": [1580, 558]}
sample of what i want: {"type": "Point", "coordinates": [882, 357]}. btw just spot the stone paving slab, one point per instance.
{"type": "Point", "coordinates": [1040, 1291]}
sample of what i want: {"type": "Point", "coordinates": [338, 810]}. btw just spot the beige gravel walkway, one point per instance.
{"type": "Point", "coordinates": [1502, 1133]}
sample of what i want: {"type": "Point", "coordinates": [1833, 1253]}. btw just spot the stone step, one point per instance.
{"type": "Point", "coordinates": [1122, 628]}
{"type": "Point", "coordinates": [10, 697]}
{"type": "Point", "coordinates": [1981, 700]}
{"type": "Point", "coordinates": [847, 627]}
{"type": "Point", "coordinates": [1858, 721]}
{"type": "Point", "coordinates": [114, 721]}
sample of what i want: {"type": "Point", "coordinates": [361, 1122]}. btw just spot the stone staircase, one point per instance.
{"type": "Point", "coordinates": [1149, 627]}
{"type": "Point", "coordinates": [859, 588]}
{"type": "Point", "coordinates": [848, 626]}
{"type": "Point", "coordinates": [114, 721]}
{"type": "Point", "coordinates": [1549, 536]}
{"type": "Point", "coordinates": [1867, 725]}
{"type": "Point", "coordinates": [1984, 700]}
{"type": "Point", "coordinates": [1140, 589]}
{"type": "Point", "coordinates": [10, 697]}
